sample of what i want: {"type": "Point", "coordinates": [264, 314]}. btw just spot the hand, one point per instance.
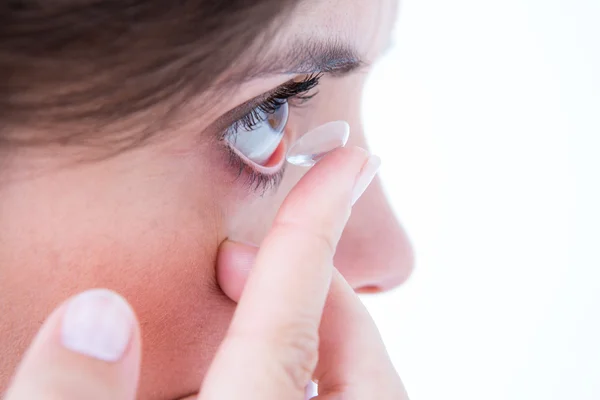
{"type": "Point", "coordinates": [282, 334]}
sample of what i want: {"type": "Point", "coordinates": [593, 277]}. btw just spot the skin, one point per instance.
{"type": "Point", "coordinates": [148, 223]}
{"type": "Point", "coordinates": [272, 349]}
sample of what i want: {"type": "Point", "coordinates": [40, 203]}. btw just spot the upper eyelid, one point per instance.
{"type": "Point", "coordinates": [341, 70]}
{"type": "Point", "coordinates": [283, 94]}
{"type": "Point", "coordinates": [237, 113]}
{"type": "Point", "coordinates": [245, 108]}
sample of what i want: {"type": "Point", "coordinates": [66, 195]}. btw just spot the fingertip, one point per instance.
{"type": "Point", "coordinates": [98, 323]}
{"type": "Point", "coordinates": [88, 345]}
{"type": "Point", "coordinates": [348, 160]}
{"type": "Point", "coordinates": [234, 263]}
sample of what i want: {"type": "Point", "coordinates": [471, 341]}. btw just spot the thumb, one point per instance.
{"type": "Point", "coordinates": [89, 348]}
{"type": "Point", "coordinates": [234, 262]}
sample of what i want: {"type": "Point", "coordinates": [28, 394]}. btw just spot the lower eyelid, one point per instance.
{"type": "Point", "coordinates": [258, 178]}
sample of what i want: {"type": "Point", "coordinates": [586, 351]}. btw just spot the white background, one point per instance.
{"type": "Point", "coordinates": [487, 117]}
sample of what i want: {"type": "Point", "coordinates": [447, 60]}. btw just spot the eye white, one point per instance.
{"type": "Point", "coordinates": [260, 142]}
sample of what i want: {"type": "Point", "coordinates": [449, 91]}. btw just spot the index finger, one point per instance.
{"type": "Point", "coordinates": [271, 348]}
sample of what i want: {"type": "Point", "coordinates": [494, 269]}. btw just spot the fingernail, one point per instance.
{"type": "Point", "coordinates": [97, 323]}
{"type": "Point", "coordinates": [365, 177]}
{"type": "Point", "coordinates": [311, 391]}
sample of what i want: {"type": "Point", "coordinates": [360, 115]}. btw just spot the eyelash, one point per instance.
{"type": "Point", "coordinates": [291, 90]}
{"type": "Point", "coordinates": [297, 91]}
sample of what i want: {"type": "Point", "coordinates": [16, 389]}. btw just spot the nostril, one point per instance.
{"type": "Point", "coordinates": [369, 290]}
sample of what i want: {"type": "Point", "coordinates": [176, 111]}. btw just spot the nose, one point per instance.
{"type": "Point", "coordinates": [374, 254]}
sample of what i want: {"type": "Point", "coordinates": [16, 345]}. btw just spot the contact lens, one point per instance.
{"type": "Point", "coordinates": [314, 145]}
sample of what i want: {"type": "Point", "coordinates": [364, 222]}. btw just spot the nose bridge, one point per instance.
{"type": "Point", "coordinates": [374, 253]}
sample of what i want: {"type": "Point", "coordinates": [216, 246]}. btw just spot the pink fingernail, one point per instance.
{"type": "Point", "coordinates": [366, 176]}
{"type": "Point", "coordinates": [311, 391]}
{"type": "Point", "coordinates": [99, 324]}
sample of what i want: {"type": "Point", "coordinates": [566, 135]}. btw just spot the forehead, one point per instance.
{"type": "Point", "coordinates": [316, 33]}
{"type": "Point", "coordinates": [362, 24]}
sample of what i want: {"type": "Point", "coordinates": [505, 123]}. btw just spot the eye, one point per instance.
{"type": "Point", "coordinates": [259, 135]}
{"type": "Point", "coordinates": [254, 140]}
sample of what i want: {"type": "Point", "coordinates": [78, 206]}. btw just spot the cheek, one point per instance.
{"type": "Point", "coordinates": [152, 237]}
{"type": "Point", "coordinates": [249, 220]}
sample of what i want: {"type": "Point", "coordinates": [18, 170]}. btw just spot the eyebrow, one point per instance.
{"type": "Point", "coordinates": [306, 57]}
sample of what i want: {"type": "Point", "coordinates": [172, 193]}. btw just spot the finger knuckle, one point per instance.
{"type": "Point", "coordinates": [298, 354]}
{"type": "Point", "coordinates": [289, 354]}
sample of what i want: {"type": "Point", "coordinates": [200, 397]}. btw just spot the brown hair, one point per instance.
{"type": "Point", "coordinates": [93, 62]}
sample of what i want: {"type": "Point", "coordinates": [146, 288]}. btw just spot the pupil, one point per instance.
{"type": "Point", "coordinates": [273, 121]}
{"type": "Point", "coordinates": [278, 119]}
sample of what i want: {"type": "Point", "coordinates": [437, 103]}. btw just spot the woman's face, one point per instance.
{"type": "Point", "coordinates": [148, 222]}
